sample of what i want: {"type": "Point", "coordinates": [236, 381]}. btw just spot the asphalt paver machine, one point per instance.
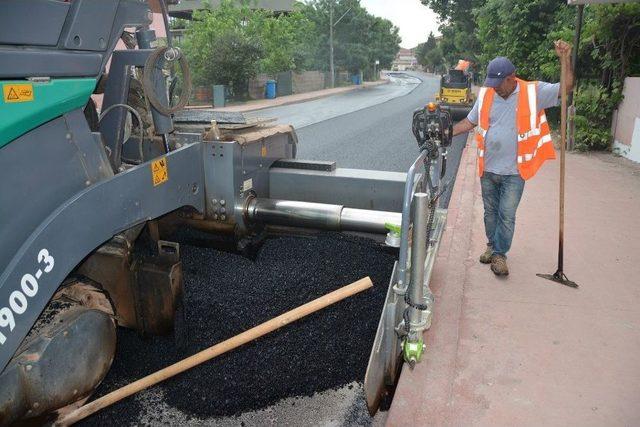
{"type": "Point", "coordinates": [87, 201]}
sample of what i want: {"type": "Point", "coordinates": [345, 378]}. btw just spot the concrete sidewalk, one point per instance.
{"type": "Point", "coordinates": [524, 351]}
{"type": "Point", "coordinates": [261, 104]}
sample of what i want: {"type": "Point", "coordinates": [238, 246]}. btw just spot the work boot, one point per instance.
{"type": "Point", "coordinates": [485, 258]}
{"type": "Point", "coordinates": [499, 265]}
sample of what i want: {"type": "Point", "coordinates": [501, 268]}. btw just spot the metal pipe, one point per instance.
{"type": "Point", "coordinates": [406, 212]}
{"type": "Point", "coordinates": [319, 215]}
{"type": "Point", "coordinates": [418, 255]}
{"type": "Point", "coordinates": [368, 220]}
{"type": "Point", "coordinates": [165, 142]}
{"type": "Point", "coordinates": [293, 213]}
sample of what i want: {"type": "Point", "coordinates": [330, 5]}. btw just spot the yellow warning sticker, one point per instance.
{"type": "Point", "coordinates": [17, 92]}
{"type": "Point", "coordinates": [159, 171]}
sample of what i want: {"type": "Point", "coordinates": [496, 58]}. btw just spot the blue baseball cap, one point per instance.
{"type": "Point", "coordinates": [497, 70]}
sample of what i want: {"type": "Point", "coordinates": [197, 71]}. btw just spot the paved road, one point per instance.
{"type": "Point", "coordinates": [325, 109]}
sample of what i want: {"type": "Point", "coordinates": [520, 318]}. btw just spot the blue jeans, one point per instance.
{"type": "Point", "coordinates": [501, 195]}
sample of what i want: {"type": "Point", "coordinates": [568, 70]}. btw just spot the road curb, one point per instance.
{"type": "Point", "coordinates": [320, 96]}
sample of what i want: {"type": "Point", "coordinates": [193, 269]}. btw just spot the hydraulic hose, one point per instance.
{"type": "Point", "coordinates": [140, 128]}
{"type": "Point", "coordinates": [152, 65]}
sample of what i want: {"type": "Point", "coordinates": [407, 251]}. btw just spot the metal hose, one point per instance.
{"type": "Point", "coordinates": [140, 128]}
{"type": "Point", "coordinates": [152, 61]}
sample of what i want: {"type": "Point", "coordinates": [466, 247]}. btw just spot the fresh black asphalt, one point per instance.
{"type": "Point", "coordinates": [226, 293]}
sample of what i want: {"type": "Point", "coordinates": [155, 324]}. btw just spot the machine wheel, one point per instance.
{"type": "Point", "coordinates": [64, 358]}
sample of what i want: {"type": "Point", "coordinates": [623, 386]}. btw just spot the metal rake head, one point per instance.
{"type": "Point", "coordinates": [559, 277]}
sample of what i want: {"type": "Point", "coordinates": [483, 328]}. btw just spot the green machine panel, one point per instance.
{"type": "Point", "coordinates": [25, 104]}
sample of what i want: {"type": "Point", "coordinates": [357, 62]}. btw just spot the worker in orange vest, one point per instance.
{"type": "Point", "coordinates": [513, 140]}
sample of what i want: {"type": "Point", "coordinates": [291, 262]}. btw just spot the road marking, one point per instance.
{"type": "Point", "coordinates": [38, 274]}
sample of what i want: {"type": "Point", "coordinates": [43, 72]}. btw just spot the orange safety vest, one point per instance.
{"type": "Point", "coordinates": [534, 136]}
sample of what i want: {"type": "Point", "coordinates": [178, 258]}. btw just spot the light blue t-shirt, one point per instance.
{"type": "Point", "coordinates": [501, 141]}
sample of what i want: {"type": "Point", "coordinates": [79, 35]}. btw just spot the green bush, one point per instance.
{"type": "Point", "coordinates": [231, 43]}
{"type": "Point", "coordinates": [594, 108]}
{"type": "Point", "coordinates": [590, 137]}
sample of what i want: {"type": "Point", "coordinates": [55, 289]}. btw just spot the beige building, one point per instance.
{"type": "Point", "coordinates": [405, 60]}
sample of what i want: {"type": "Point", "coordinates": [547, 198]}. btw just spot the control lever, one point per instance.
{"type": "Point", "coordinates": [432, 125]}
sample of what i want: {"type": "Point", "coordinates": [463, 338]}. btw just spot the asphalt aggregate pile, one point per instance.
{"type": "Point", "coordinates": [226, 294]}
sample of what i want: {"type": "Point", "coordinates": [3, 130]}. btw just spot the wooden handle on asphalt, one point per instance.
{"type": "Point", "coordinates": [214, 351]}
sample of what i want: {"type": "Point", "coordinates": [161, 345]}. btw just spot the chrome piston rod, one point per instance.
{"type": "Point", "coordinates": [319, 215]}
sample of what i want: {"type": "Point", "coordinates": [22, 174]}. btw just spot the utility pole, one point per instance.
{"type": "Point", "coordinates": [331, 66]}
{"type": "Point", "coordinates": [332, 26]}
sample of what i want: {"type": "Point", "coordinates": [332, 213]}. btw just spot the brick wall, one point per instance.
{"type": "Point", "coordinates": [256, 86]}
{"type": "Point", "coordinates": [343, 78]}
{"type": "Point", "coordinates": [308, 81]}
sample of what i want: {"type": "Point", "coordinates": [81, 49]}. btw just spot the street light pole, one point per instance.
{"type": "Point", "coordinates": [332, 26]}
{"type": "Point", "coordinates": [331, 66]}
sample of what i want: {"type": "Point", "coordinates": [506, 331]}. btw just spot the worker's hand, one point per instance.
{"type": "Point", "coordinates": [563, 49]}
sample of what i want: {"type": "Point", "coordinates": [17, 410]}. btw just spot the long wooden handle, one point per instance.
{"type": "Point", "coordinates": [564, 59]}
{"type": "Point", "coordinates": [216, 350]}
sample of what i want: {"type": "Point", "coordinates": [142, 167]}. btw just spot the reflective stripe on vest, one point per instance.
{"type": "Point", "coordinates": [534, 136]}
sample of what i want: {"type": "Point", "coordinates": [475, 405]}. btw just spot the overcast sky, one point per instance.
{"type": "Point", "coordinates": [413, 18]}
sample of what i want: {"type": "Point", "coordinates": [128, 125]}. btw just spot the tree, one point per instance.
{"type": "Point", "coordinates": [423, 48]}
{"type": "Point", "coordinates": [610, 52]}
{"type": "Point", "coordinates": [434, 59]}
{"type": "Point", "coordinates": [457, 26]}
{"type": "Point", "coordinates": [612, 40]}
{"type": "Point", "coordinates": [429, 54]}
{"type": "Point", "coordinates": [231, 43]}
{"type": "Point", "coordinates": [519, 29]}
{"type": "Point", "coordinates": [222, 46]}
{"type": "Point", "coordinates": [288, 42]}
{"type": "Point", "coordinates": [359, 38]}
